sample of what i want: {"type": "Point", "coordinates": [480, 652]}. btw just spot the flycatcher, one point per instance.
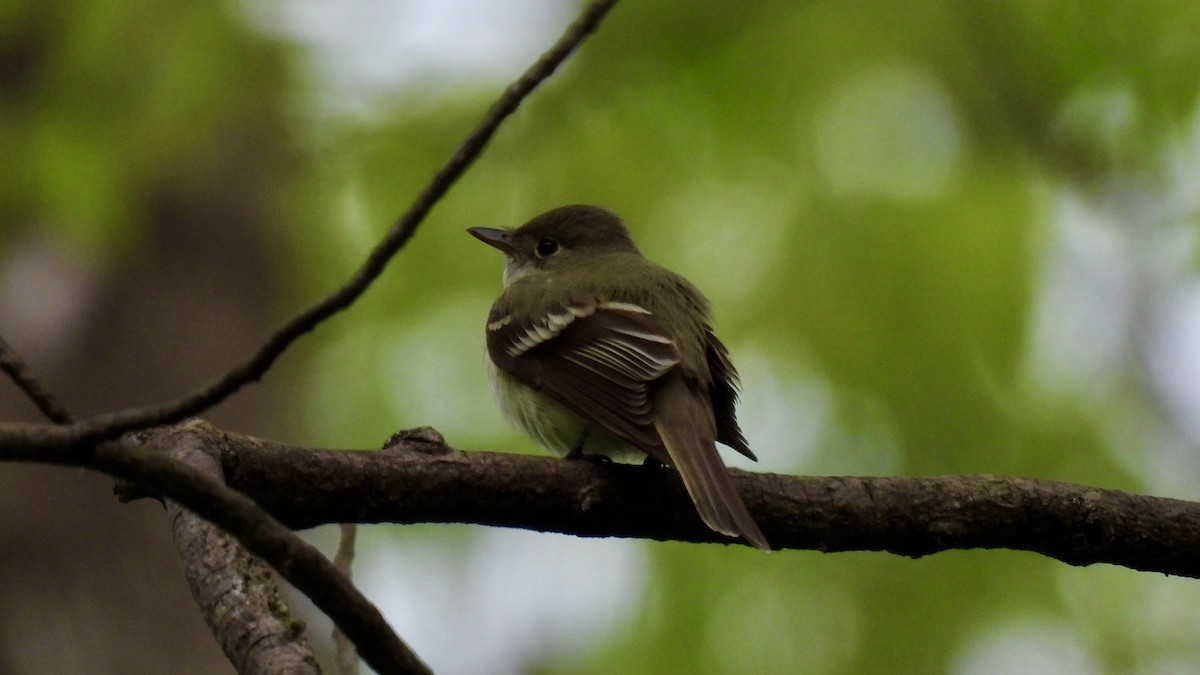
{"type": "Point", "coordinates": [594, 349]}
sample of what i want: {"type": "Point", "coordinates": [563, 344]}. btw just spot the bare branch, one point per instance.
{"type": "Point", "coordinates": [21, 375]}
{"type": "Point", "coordinates": [346, 657]}
{"type": "Point", "coordinates": [251, 633]}
{"type": "Point", "coordinates": [295, 560]}
{"type": "Point", "coordinates": [236, 591]}
{"type": "Point", "coordinates": [111, 425]}
{"type": "Point", "coordinates": [914, 517]}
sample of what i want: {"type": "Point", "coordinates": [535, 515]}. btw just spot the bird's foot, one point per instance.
{"type": "Point", "coordinates": [591, 457]}
{"type": "Point", "coordinates": [576, 451]}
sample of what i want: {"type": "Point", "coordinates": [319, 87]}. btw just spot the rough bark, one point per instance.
{"type": "Point", "coordinates": [421, 479]}
{"type": "Point", "coordinates": [235, 591]}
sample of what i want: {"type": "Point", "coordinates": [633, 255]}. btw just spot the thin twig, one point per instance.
{"type": "Point", "coordinates": [112, 425]}
{"type": "Point", "coordinates": [346, 657]}
{"type": "Point", "coordinates": [22, 376]}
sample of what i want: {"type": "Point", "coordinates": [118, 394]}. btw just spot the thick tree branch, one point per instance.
{"type": "Point", "coordinates": [419, 481]}
{"type": "Point", "coordinates": [236, 591]}
{"type": "Point", "coordinates": [295, 560]}
{"type": "Point", "coordinates": [247, 631]}
{"type": "Point", "coordinates": [79, 436]}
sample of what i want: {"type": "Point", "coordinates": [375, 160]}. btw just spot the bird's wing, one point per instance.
{"type": "Point", "coordinates": [596, 358]}
{"type": "Point", "coordinates": [723, 392]}
{"type": "Point", "coordinates": [599, 360]}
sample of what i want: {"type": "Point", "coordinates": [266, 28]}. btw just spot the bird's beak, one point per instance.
{"type": "Point", "coordinates": [492, 237]}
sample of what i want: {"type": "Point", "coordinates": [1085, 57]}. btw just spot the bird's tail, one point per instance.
{"type": "Point", "coordinates": [686, 425]}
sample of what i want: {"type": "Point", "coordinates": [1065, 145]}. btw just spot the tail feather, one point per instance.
{"type": "Point", "coordinates": [688, 430]}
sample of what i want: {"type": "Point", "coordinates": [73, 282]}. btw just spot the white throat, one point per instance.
{"type": "Point", "coordinates": [514, 270]}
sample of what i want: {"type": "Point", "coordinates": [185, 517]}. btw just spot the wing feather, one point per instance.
{"type": "Point", "coordinates": [597, 359]}
{"type": "Point", "coordinates": [723, 392]}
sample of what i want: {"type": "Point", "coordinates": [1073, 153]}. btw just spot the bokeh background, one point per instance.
{"type": "Point", "coordinates": [940, 237]}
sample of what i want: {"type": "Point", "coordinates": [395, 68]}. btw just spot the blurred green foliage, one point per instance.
{"type": "Point", "coordinates": [865, 190]}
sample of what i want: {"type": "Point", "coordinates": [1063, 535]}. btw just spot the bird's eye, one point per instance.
{"type": "Point", "coordinates": [546, 248]}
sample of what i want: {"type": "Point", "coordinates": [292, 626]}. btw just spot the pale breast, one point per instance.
{"type": "Point", "coordinates": [551, 425]}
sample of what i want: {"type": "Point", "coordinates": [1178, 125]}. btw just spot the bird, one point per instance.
{"type": "Point", "coordinates": [594, 350]}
